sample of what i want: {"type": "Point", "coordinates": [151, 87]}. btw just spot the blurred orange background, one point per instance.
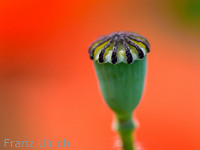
{"type": "Point", "coordinates": [48, 86]}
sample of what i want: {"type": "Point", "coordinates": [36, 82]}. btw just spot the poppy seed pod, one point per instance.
{"type": "Point", "coordinates": [120, 64]}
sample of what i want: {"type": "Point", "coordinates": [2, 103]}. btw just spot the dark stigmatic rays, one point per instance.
{"type": "Point", "coordinates": [126, 39]}
{"type": "Point", "coordinates": [114, 52]}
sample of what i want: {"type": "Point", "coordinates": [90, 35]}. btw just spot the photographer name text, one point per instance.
{"type": "Point", "coordinates": [9, 143]}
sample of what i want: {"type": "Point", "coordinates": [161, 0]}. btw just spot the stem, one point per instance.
{"type": "Point", "coordinates": [125, 127]}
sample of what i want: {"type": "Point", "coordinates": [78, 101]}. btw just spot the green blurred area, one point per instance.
{"type": "Point", "coordinates": [188, 11]}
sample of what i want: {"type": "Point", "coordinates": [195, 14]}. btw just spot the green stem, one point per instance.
{"type": "Point", "coordinates": [125, 127]}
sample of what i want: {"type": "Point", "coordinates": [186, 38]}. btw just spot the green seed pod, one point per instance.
{"type": "Point", "coordinates": [120, 63]}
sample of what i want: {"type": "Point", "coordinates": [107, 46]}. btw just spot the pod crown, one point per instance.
{"type": "Point", "coordinates": [119, 47]}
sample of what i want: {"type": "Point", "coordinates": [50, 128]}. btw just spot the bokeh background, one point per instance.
{"type": "Point", "coordinates": [48, 87]}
